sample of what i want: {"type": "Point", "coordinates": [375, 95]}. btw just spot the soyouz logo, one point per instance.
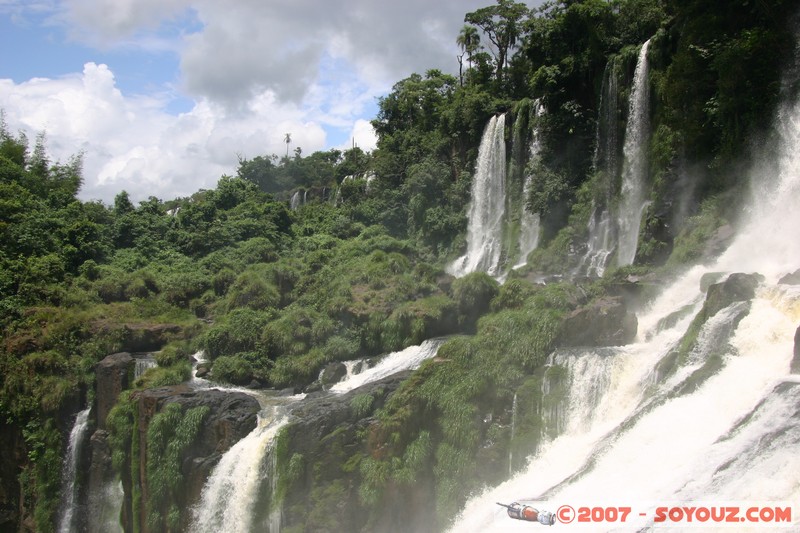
{"type": "Point", "coordinates": [768, 515]}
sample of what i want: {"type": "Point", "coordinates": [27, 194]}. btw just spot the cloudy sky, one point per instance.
{"type": "Point", "coordinates": [162, 96]}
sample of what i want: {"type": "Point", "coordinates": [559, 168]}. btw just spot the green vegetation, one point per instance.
{"type": "Point", "coordinates": [168, 436]}
{"type": "Point", "coordinates": [271, 294]}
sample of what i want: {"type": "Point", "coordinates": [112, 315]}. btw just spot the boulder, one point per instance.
{"type": "Point", "coordinates": [791, 279]}
{"type": "Point", "coordinates": [604, 322]}
{"type": "Point", "coordinates": [202, 370]}
{"type": "Point", "coordinates": [795, 365]}
{"type": "Point", "coordinates": [113, 375]}
{"type": "Point", "coordinates": [737, 287]}
{"type": "Point", "coordinates": [232, 415]}
{"type": "Point", "coordinates": [332, 373]}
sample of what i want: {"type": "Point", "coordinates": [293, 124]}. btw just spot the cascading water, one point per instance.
{"type": "Point", "coordinates": [230, 495]}
{"type": "Point", "coordinates": [143, 364]}
{"type": "Point", "coordinates": [600, 245]}
{"type": "Point", "coordinates": [69, 491]}
{"type": "Point", "coordinates": [529, 222]}
{"type": "Point", "coordinates": [634, 170]}
{"type": "Point", "coordinates": [487, 207]}
{"type": "Point", "coordinates": [407, 359]}
{"type": "Point", "coordinates": [294, 202]}
{"type": "Point", "coordinates": [602, 232]}
{"type": "Point", "coordinates": [246, 472]}
{"type": "Point", "coordinates": [513, 431]}
{"type": "Point", "coordinates": [634, 438]}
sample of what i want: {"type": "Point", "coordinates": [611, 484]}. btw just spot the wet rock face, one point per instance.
{"type": "Point", "coordinates": [791, 279]}
{"type": "Point", "coordinates": [795, 365]}
{"type": "Point", "coordinates": [11, 442]}
{"type": "Point", "coordinates": [736, 288]}
{"type": "Point", "coordinates": [328, 431]}
{"type": "Point", "coordinates": [113, 374]}
{"type": "Point", "coordinates": [604, 322]}
{"type": "Point", "coordinates": [231, 416]}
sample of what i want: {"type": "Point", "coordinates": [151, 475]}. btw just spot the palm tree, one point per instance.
{"type": "Point", "coordinates": [469, 41]}
{"type": "Point", "coordinates": [287, 139]}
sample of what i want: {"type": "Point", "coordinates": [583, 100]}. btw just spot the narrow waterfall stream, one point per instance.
{"type": "Point", "coordinates": [69, 490]}
{"type": "Point", "coordinates": [634, 169]}
{"type": "Point", "coordinates": [487, 207]}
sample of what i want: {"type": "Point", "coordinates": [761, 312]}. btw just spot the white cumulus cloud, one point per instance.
{"type": "Point", "coordinates": [252, 70]}
{"type": "Point", "coordinates": [132, 143]}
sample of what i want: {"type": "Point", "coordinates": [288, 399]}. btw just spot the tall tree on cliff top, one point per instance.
{"type": "Point", "coordinates": [469, 41]}
{"type": "Point", "coordinates": [502, 25]}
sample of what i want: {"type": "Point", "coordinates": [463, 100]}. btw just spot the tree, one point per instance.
{"type": "Point", "coordinates": [502, 25]}
{"type": "Point", "coordinates": [469, 41]}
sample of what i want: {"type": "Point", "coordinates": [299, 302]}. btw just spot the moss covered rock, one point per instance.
{"type": "Point", "coordinates": [604, 322]}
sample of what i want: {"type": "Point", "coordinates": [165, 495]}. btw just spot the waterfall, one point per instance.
{"type": "Point", "coordinates": [602, 240]}
{"type": "Point", "coordinates": [231, 493]}
{"type": "Point", "coordinates": [406, 359]}
{"type": "Point", "coordinates": [245, 474]}
{"type": "Point", "coordinates": [511, 439]}
{"type": "Point", "coordinates": [294, 203]}
{"type": "Point", "coordinates": [600, 244]}
{"type": "Point", "coordinates": [487, 207]}
{"type": "Point", "coordinates": [634, 170]}
{"type": "Point", "coordinates": [630, 437]}
{"type": "Point", "coordinates": [142, 364]}
{"type": "Point", "coordinates": [607, 137]}
{"type": "Point", "coordinates": [69, 490]}
{"type": "Point", "coordinates": [529, 222]}
{"type": "Point", "coordinates": [104, 507]}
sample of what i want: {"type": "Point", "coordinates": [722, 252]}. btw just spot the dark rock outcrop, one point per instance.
{"type": "Point", "coordinates": [737, 287]}
{"type": "Point", "coordinates": [231, 416]}
{"type": "Point", "coordinates": [100, 505]}
{"type": "Point", "coordinates": [113, 375]}
{"type": "Point", "coordinates": [11, 442]}
{"type": "Point", "coordinates": [795, 365]}
{"type": "Point", "coordinates": [148, 337]}
{"type": "Point", "coordinates": [327, 438]}
{"type": "Point", "coordinates": [331, 374]}
{"type": "Point", "coordinates": [145, 337]}
{"type": "Point", "coordinates": [604, 322]}
{"type": "Point", "coordinates": [791, 279]}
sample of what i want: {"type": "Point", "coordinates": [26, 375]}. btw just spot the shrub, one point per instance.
{"type": "Point", "coordinates": [473, 294]}
{"type": "Point", "coordinates": [232, 370]}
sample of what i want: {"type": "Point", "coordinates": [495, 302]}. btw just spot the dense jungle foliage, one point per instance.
{"type": "Point", "coordinates": [271, 294]}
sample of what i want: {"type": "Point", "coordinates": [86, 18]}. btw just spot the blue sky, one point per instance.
{"type": "Point", "coordinates": [163, 96]}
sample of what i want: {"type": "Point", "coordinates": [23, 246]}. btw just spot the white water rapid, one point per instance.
{"type": "Point", "coordinates": [487, 207]}
{"type": "Point", "coordinates": [231, 493]}
{"type": "Point", "coordinates": [69, 490]}
{"type": "Point", "coordinates": [634, 166]}
{"type": "Point", "coordinates": [631, 435]}
{"type": "Point", "coordinates": [406, 359]}
{"type": "Point", "coordinates": [246, 473]}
